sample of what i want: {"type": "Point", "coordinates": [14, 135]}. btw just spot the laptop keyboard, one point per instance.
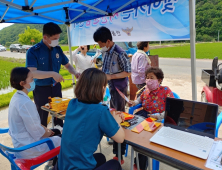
{"type": "Point", "coordinates": [187, 138]}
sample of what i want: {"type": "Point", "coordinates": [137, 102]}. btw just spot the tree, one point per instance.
{"type": "Point", "coordinates": [28, 35]}
{"type": "Point", "coordinates": [7, 44]}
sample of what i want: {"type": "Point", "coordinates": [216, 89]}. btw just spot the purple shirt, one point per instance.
{"type": "Point", "coordinates": [139, 65]}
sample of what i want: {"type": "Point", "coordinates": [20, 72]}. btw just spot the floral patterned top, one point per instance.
{"type": "Point", "coordinates": [154, 101]}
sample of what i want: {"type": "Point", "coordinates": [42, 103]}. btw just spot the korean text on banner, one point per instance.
{"type": "Point", "coordinates": [159, 21]}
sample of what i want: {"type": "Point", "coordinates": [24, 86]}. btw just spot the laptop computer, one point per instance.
{"type": "Point", "coordinates": [189, 127]}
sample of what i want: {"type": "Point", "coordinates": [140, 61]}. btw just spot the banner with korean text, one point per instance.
{"type": "Point", "coordinates": [159, 21]}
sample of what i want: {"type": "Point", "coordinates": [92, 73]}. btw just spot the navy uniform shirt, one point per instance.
{"type": "Point", "coordinates": [38, 56]}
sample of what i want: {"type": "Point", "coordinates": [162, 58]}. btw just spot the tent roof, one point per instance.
{"type": "Point", "coordinates": [62, 11]}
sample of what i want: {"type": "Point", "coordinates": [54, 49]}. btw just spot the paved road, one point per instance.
{"type": "Point", "coordinates": [183, 66]}
{"type": "Point", "coordinates": [13, 54]}
{"type": "Point", "coordinates": [170, 66]}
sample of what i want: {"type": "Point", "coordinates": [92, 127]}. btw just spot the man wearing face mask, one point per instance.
{"type": "Point", "coordinates": [82, 60]}
{"type": "Point", "coordinates": [117, 67]}
{"type": "Point", "coordinates": [44, 60]}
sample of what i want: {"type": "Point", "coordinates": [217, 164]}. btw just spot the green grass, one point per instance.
{"type": "Point", "coordinates": [203, 51]}
{"type": "Point", "coordinates": [5, 98]}
{"type": "Point", "coordinates": [7, 64]}
{"type": "Point", "coordinates": [66, 47]}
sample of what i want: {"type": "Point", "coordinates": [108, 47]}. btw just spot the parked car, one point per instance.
{"type": "Point", "coordinates": [15, 47]}
{"type": "Point", "coordinates": [25, 48]}
{"type": "Point", "coordinates": [129, 47]}
{"type": "Point", "coordinates": [2, 48]}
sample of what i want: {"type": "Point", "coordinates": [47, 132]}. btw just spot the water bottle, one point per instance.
{"type": "Point", "coordinates": [105, 101]}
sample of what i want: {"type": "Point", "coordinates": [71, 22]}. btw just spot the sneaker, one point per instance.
{"type": "Point", "coordinates": [58, 127]}
{"type": "Point", "coordinates": [116, 158]}
{"type": "Point", "coordinates": [49, 165]}
{"type": "Point", "coordinates": [110, 142]}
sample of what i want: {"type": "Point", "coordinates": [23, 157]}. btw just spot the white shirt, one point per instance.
{"type": "Point", "coordinates": [82, 62]}
{"type": "Point", "coordinates": [25, 126]}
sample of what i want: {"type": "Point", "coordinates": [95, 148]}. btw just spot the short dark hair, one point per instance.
{"type": "Point", "coordinates": [88, 47]}
{"type": "Point", "coordinates": [156, 71]}
{"type": "Point", "coordinates": [90, 86]}
{"type": "Point", "coordinates": [142, 44]}
{"type": "Point", "coordinates": [51, 29]}
{"type": "Point", "coordinates": [18, 74]}
{"type": "Point", "coordinates": [102, 34]}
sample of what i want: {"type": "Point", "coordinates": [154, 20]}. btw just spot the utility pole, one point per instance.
{"type": "Point", "coordinates": [218, 35]}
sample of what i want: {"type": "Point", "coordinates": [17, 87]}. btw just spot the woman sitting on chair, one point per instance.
{"type": "Point", "coordinates": [154, 96]}
{"type": "Point", "coordinates": [85, 124]}
{"type": "Point", "coordinates": [153, 101]}
{"type": "Point", "coordinates": [23, 118]}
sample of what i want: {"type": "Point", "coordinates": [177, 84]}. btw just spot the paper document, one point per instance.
{"type": "Point", "coordinates": [214, 158]}
{"type": "Point", "coordinates": [123, 96]}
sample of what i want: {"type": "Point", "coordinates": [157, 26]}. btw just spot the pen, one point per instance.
{"type": "Point", "coordinates": [218, 156]}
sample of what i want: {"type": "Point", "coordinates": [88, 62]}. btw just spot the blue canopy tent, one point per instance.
{"type": "Point", "coordinates": [74, 11]}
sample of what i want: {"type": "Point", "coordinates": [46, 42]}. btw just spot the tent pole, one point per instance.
{"type": "Point", "coordinates": [70, 52]}
{"type": "Point", "coordinates": [192, 48]}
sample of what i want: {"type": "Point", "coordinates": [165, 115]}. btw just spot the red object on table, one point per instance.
{"type": "Point", "coordinates": [128, 116]}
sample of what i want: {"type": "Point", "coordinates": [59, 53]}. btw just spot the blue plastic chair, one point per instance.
{"type": "Point", "coordinates": [219, 121]}
{"type": "Point", "coordinates": [6, 151]}
{"type": "Point", "coordinates": [109, 98]}
{"type": "Point", "coordinates": [155, 163]}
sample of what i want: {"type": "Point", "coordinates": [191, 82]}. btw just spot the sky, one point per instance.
{"type": "Point", "coordinates": [3, 25]}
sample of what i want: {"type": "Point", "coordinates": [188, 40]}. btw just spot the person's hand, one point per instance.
{"type": "Point", "coordinates": [155, 115]}
{"type": "Point", "coordinates": [94, 60]}
{"type": "Point", "coordinates": [117, 116]}
{"type": "Point", "coordinates": [77, 75]}
{"type": "Point", "coordinates": [108, 76]}
{"type": "Point", "coordinates": [79, 48]}
{"type": "Point", "coordinates": [131, 103]}
{"type": "Point", "coordinates": [49, 132]}
{"type": "Point", "coordinates": [57, 77]}
{"type": "Point", "coordinates": [122, 116]}
{"type": "Point", "coordinates": [52, 133]}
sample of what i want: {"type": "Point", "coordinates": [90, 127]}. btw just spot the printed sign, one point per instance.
{"type": "Point", "coordinates": [158, 21]}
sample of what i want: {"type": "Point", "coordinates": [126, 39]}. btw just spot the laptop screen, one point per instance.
{"type": "Point", "coordinates": [191, 116]}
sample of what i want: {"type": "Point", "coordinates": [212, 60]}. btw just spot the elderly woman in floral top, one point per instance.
{"type": "Point", "coordinates": [153, 101]}
{"type": "Point", "coordinates": [154, 96]}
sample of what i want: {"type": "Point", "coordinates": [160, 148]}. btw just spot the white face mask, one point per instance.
{"type": "Point", "coordinates": [104, 49]}
{"type": "Point", "coordinates": [54, 43]}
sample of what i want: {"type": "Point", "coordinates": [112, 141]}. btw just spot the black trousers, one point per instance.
{"type": "Point", "coordinates": [143, 113]}
{"type": "Point", "coordinates": [41, 94]}
{"type": "Point", "coordinates": [143, 160]}
{"type": "Point", "coordinates": [118, 103]}
{"type": "Point", "coordinates": [57, 133]}
{"type": "Point", "coordinates": [103, 165]}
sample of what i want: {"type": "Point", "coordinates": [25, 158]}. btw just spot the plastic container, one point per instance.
{"type": "Point", "coordinates": [207, 77]}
